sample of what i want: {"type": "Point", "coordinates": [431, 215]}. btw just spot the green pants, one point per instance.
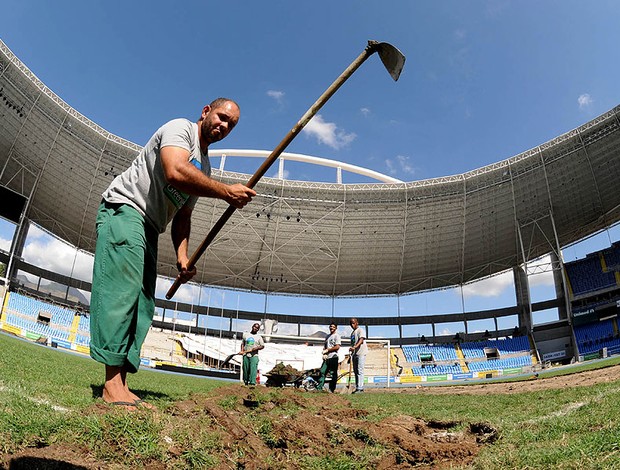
{"type": "Point", "coordinates": [250, 369]}
{"type": "Point", "coordinates": [329, 366]}
{"type": "Point", "coordinates": [123, 291]}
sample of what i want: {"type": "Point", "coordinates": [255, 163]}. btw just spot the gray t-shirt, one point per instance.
{"type": "Point", "coordinates": [251, 341]}
{"type": "Point", "coordinates": [143, 185]}
{"type": "Point", "coordinates": [330, 342]}
{"type": "Point", "coordinates": [355, 337]}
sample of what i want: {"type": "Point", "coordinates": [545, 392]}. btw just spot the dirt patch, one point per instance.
{"type": "Point", "coordinates": [265, 428]}
{"type": "Point", "coordinates": [293, 425]}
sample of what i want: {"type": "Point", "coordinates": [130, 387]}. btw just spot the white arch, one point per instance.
{"type": "Point", "coordinates": [297, 157]}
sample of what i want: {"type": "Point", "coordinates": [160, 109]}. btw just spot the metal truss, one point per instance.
{"type": "Point", "coordinates": [385, 237]}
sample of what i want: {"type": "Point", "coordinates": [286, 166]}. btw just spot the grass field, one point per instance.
{"type": "Point", "coordinates": [49, 398]}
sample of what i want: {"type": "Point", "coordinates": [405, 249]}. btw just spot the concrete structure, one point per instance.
{"type": "Point", "coordinates": [384, 237]}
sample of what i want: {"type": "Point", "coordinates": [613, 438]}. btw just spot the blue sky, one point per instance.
{"type": "Point", "coordinates": [484, 80]}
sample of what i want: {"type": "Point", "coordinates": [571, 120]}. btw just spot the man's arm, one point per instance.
{"type": "Point", "coordinates": [333, 348]}
{"type": "Point", "coordinates": [184, 176]}
{"type": "Point", "coordinates": [357, 345]}
{"type": "Point", "coordinates": [336, 346]}
{"type": "Point", "coordinates": [180, 230]}
{"type": "Point", "coordinates": [257, 347]}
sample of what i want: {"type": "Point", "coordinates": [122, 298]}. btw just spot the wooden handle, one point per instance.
{"type": "Point", "coordinates": [368, 51]}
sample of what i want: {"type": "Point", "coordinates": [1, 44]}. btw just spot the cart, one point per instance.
{"type": "Point", "coordinates": [290, 378]}
{"type": "Point", "coordinates": [308, 379]}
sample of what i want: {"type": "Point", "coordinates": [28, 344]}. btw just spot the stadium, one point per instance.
{"type": "Point", "coordinates": [308, 239]}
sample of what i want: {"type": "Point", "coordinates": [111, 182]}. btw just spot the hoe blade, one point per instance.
{"type": "Point", "coordinates": [392, 59]}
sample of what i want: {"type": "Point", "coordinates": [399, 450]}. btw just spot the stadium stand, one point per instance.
{"type": "Point", "coordinates": [593, 337]}
{"type": "Point", "coordinates": [39, 318]}
{"type": "Point", "coordinates": [587, 275]}
{"type": "Point", "coordinates": [438, 352]}
{"type": "Point", "coordinates": [595, 288]}
{"type": "Point", "coordinates": [497, 364]}
{"type": "Point", "coordinates": [430, 360]}
{"type": "Point", "coordinates": [519, 344]}
{"type": "Point", "coordinates": [611, 257]}
{"type": "Point", "coordinates": [436, 369]}
{"type": "Point", "coordinates": [83, 330]}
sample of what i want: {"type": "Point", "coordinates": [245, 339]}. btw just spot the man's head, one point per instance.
{"type": "Point", "coordinates": [255, 328]}
{"type": "Point", "coordinates": [332, 328]}
{"type": "Point", "coordinates": [217, 120]}
{"type": "Point", "coordinates": [354, 323]}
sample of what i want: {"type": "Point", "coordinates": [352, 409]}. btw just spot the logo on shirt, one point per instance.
{"type": "Point", "coordinates": [178, 198]}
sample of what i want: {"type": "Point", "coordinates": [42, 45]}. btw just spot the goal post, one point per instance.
{"type": "Point", "coordinates": [378, 369]}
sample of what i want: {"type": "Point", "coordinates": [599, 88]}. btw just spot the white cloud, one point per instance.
{"type": "Point", "coordinates": [446, 332]}
{"type": "Point", "coordinates": [276, 95]}
{"type": "Point", "coordinates": [542, 279]}
{"type": "Point", "coordinates": [365, 112]}
{"type": "Point", "coordinates": [540, 271]}
{"type": "Point", "coordinates": [37, 233]}
{"type": "Point", "coordinates": [5, 244]}
{"type": "Point", "coordinates": [187, 293]}
{"type": "Point", "coordinates": [54, 255]}
{"type": "Point", "coordinates": [285, 174]}
{"type": "Point", "coordinates": [328, 133]}
{"type": "Point", "coordinates": [491, 287]}
{"type": "Point", "coordinates": [540, 276]}
{"type": "Point", "coordinates": [585, 101]}
{"type": "Point", "coordinates": [400, 165]}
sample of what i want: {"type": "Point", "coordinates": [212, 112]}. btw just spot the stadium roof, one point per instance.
{"type": "Point", "coordinates": [328, 239]}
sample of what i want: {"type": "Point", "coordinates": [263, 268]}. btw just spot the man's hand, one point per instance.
{"type": "Point", "coordinates": [184, 273]}
{"type": "Point", "coordinates": [239, 195]}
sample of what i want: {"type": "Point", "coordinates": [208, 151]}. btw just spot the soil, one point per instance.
{"type": "Point", "coordinates": [315, 424]}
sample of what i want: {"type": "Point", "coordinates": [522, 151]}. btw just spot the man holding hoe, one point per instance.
{"type": "Point", "coordinates": [162, 185]}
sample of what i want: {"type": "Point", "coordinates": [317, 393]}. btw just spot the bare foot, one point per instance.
{"type": "Point", "coordinates": [140, 402]}
{"type": "Point", "coordinates": [118, 397]}
{"type": "Point", "coordinates": [144, 404]}
{"type": "Point", "coordinates": [115, 391]}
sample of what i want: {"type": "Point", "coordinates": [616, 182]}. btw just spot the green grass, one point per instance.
{"type": "Point", "coordinates": [44, 391]}
{"type": "Point", "coordinates": [561, 429]}
{"type": "Point", "coordinates": [44, 394]}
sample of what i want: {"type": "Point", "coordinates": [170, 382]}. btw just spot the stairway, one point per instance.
{"type": "Point", "coordinates": [461, 357]}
